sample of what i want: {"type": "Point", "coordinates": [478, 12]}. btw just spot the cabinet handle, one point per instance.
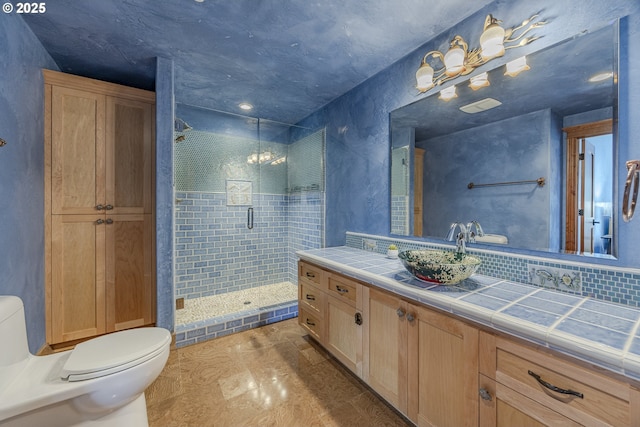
{"type": "Point", "coordinates": [554, 388]}
{"type": "Point", "coordinates": [99, 207]}
{"type": "Point", "coordinates": [310, 323]}
{"type": "Point", "coordinates": [311, 297]}
{"type": "Point", "coordinates": [400, 312]}
{"type": "Point", "coordinates": [485, 395]}
{"type": "Point", "coordinates": [410, 317]}
{"type": "Point", "coordinates": [109, 221]}
{"type": "Point", "coordinates": [309, 274]}
{"type": "Point", "coordinates": [342, 290]}
{"type": "Point", "coordinates": [358, 319]}
{"type": "Point", "coordinates": [108, 207]}
{"type": "Point", "coordinates": [100, 221]}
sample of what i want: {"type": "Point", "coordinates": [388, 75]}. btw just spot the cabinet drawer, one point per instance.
{"type": "Point", "coordinates": [313, 324]}
{"type": "Point", "coordinates": [311, 273]}
{"type": "Point", "coordinates": [311, 299]}
{"type": "Point", "coordinates": [604, 401]}
{"type": "Point", "coordinates": [342, 287]}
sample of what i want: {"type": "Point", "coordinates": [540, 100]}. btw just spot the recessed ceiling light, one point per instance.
{"type": "Point", "coordinates": [245, 106]}
{"type": "Point", "coordinates": [600, 77]}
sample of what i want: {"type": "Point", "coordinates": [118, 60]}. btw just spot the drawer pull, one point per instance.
{"type": "Point", "coordinates": [554, 388]}
{"type": "Point", "coordinates": [311, 297]}
{"type": "Point", "coordinates": [310, 323]}
{"type": "Point", "coordinates": [342, 290]}
{"type": "Point", "coordinates": [310, 274]}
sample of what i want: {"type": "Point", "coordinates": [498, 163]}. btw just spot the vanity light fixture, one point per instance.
{"type": "Point", "coordinates": [448, 93]}
{"type": "Point", "coordinates": [600, 77]}
{"type": "Point", "coordinates": [517, 66]}
{"type": "Point", "coordinates": [245, 106]}
{"type": "Point", "coordinates": [460, 60]}
{"type": "Point", "coordinates": [479, 81]}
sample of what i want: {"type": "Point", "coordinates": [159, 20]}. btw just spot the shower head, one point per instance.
{"type": "Point", "coordinates": [180, 125]}
{"type": "Point", "coordinates": [180, 138]}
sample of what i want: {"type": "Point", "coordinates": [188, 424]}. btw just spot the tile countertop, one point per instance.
{"type": "Point", "coordinates": [602, 333]}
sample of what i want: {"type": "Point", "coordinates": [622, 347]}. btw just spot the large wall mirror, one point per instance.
{"type": "Point", "coordinates": [536, 171]}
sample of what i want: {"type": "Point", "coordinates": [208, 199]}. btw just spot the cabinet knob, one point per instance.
{"type": "Point", "coordinates": [485, 395]}
{"type": "Point", "coordinates": [99, 207]}
{"type": "Point", "coordinates": [410, 317]}
{"type": "Point", "coordinates": [100, 221]}
{"type": "Point", "coordinates": [108, 207]}
{"type": "Point", "coordinates": [400, 312]}
{"type": "Point", "coordinates": [109, 221]}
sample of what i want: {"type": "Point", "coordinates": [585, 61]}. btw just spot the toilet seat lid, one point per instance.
{"type": "Point", "coordinates": [114, 352]}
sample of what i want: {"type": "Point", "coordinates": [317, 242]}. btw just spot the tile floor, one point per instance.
{"type": "Point", "coordinates": [269, 376]}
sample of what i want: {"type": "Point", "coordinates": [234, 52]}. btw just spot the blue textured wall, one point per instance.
{"type": "Point", "coordinates": [511, 150]}
{"type": "Point", "coordinates": [358, 122]}
{"type": "Point", "coordinates": [164, 193]}
{"type": "Point", "coordinates": [22, 170]}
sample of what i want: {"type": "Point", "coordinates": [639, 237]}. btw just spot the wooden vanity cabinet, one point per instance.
{"type": "Point", "coordinates": [386, 346]}
{"type": "Point", "coordinates": [515, 397]}
{"type": "Point", "coordinates": [329, 308]}
{"type": "Point", "coordinates": [99, 221]}
{"type": "Point", "coordinates": [443, 369]}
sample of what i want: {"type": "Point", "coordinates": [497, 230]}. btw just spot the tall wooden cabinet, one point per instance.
{"type": "Point", "coordinates": [99, 222]}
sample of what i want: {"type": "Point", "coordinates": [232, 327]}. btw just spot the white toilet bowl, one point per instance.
{"type": "Point", "coordinates": [99, 383]}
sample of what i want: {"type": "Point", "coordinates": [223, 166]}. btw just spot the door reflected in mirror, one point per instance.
{"type": "Point", "coordinates": [485, 164]}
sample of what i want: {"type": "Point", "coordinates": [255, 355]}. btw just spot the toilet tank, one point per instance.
{"type": "Point", "coordinates": [13, 331]}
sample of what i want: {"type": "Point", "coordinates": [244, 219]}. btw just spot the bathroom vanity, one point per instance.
{"type": "Point", "coordinates": [465, 356]}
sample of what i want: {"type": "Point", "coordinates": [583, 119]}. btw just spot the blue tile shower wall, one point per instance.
{"type": "Point", "coordinates": [216, 253]}
{"type": "Point", "coordinates": [305, 217]}
{"type": "Point", "coordinates": [619, 285]}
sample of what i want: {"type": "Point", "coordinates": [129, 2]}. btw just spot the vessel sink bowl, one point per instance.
{"type": "Point", "coordinates": [440, 267]}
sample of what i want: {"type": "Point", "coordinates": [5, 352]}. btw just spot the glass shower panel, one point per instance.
{"type": "Point", "coordinates": [219, 249]}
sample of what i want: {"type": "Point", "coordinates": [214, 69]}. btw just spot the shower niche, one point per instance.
{"type": "Point", "coordinates": [249, 193]}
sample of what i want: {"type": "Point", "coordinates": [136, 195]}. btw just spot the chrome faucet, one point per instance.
{"type": "Point", "coordinates": [461, 246]}
{"type": "Point", "coordinates": [471, 235]}
{"type": "Point", "coordinates": [452, 231]}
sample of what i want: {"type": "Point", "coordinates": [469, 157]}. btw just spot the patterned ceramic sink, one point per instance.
{"type": "Point", "coordinates": [436, 266]}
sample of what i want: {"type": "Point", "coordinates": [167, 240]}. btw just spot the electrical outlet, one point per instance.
{"type": "Point", "coordinates": [369, 245]}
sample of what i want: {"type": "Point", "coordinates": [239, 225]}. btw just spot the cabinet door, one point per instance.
{"type": "Point", "coordinates": [77, 282]}
{"type": "Point", "coordinates": [77, 151]}
{"type": "Point", "coordinates": [130, 291]}
{"type": "Point", "coordinates": [443, 362]}
{"type": "Point", "coordinates": [344, 333]}
{"type": "Point", "coordinates": [129, 157]}
{"type": "Point", "coordinates": [385, 346]}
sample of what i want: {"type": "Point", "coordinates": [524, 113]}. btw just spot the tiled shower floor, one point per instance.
{"type": "Point", "coordinates": [199, 309]}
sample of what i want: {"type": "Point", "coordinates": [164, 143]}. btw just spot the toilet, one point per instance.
{"type": "Point", "coordinates": [99, 383]}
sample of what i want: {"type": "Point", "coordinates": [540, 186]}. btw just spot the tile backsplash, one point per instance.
{"type": "Point", "coordinates": [607, 283]}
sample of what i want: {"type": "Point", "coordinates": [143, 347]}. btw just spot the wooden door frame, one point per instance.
{"type": "Point", "coordinates": [574, 134]}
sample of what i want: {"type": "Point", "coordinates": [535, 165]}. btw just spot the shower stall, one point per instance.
{"type": "Point", "coordinates": [249, 193]}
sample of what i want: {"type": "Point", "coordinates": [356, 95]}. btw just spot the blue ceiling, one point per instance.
{"type": "Point", "coordinates": [288, 58]}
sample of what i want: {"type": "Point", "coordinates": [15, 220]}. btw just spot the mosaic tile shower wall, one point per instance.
{"type": "Point", "coordinates": [619, 285]}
